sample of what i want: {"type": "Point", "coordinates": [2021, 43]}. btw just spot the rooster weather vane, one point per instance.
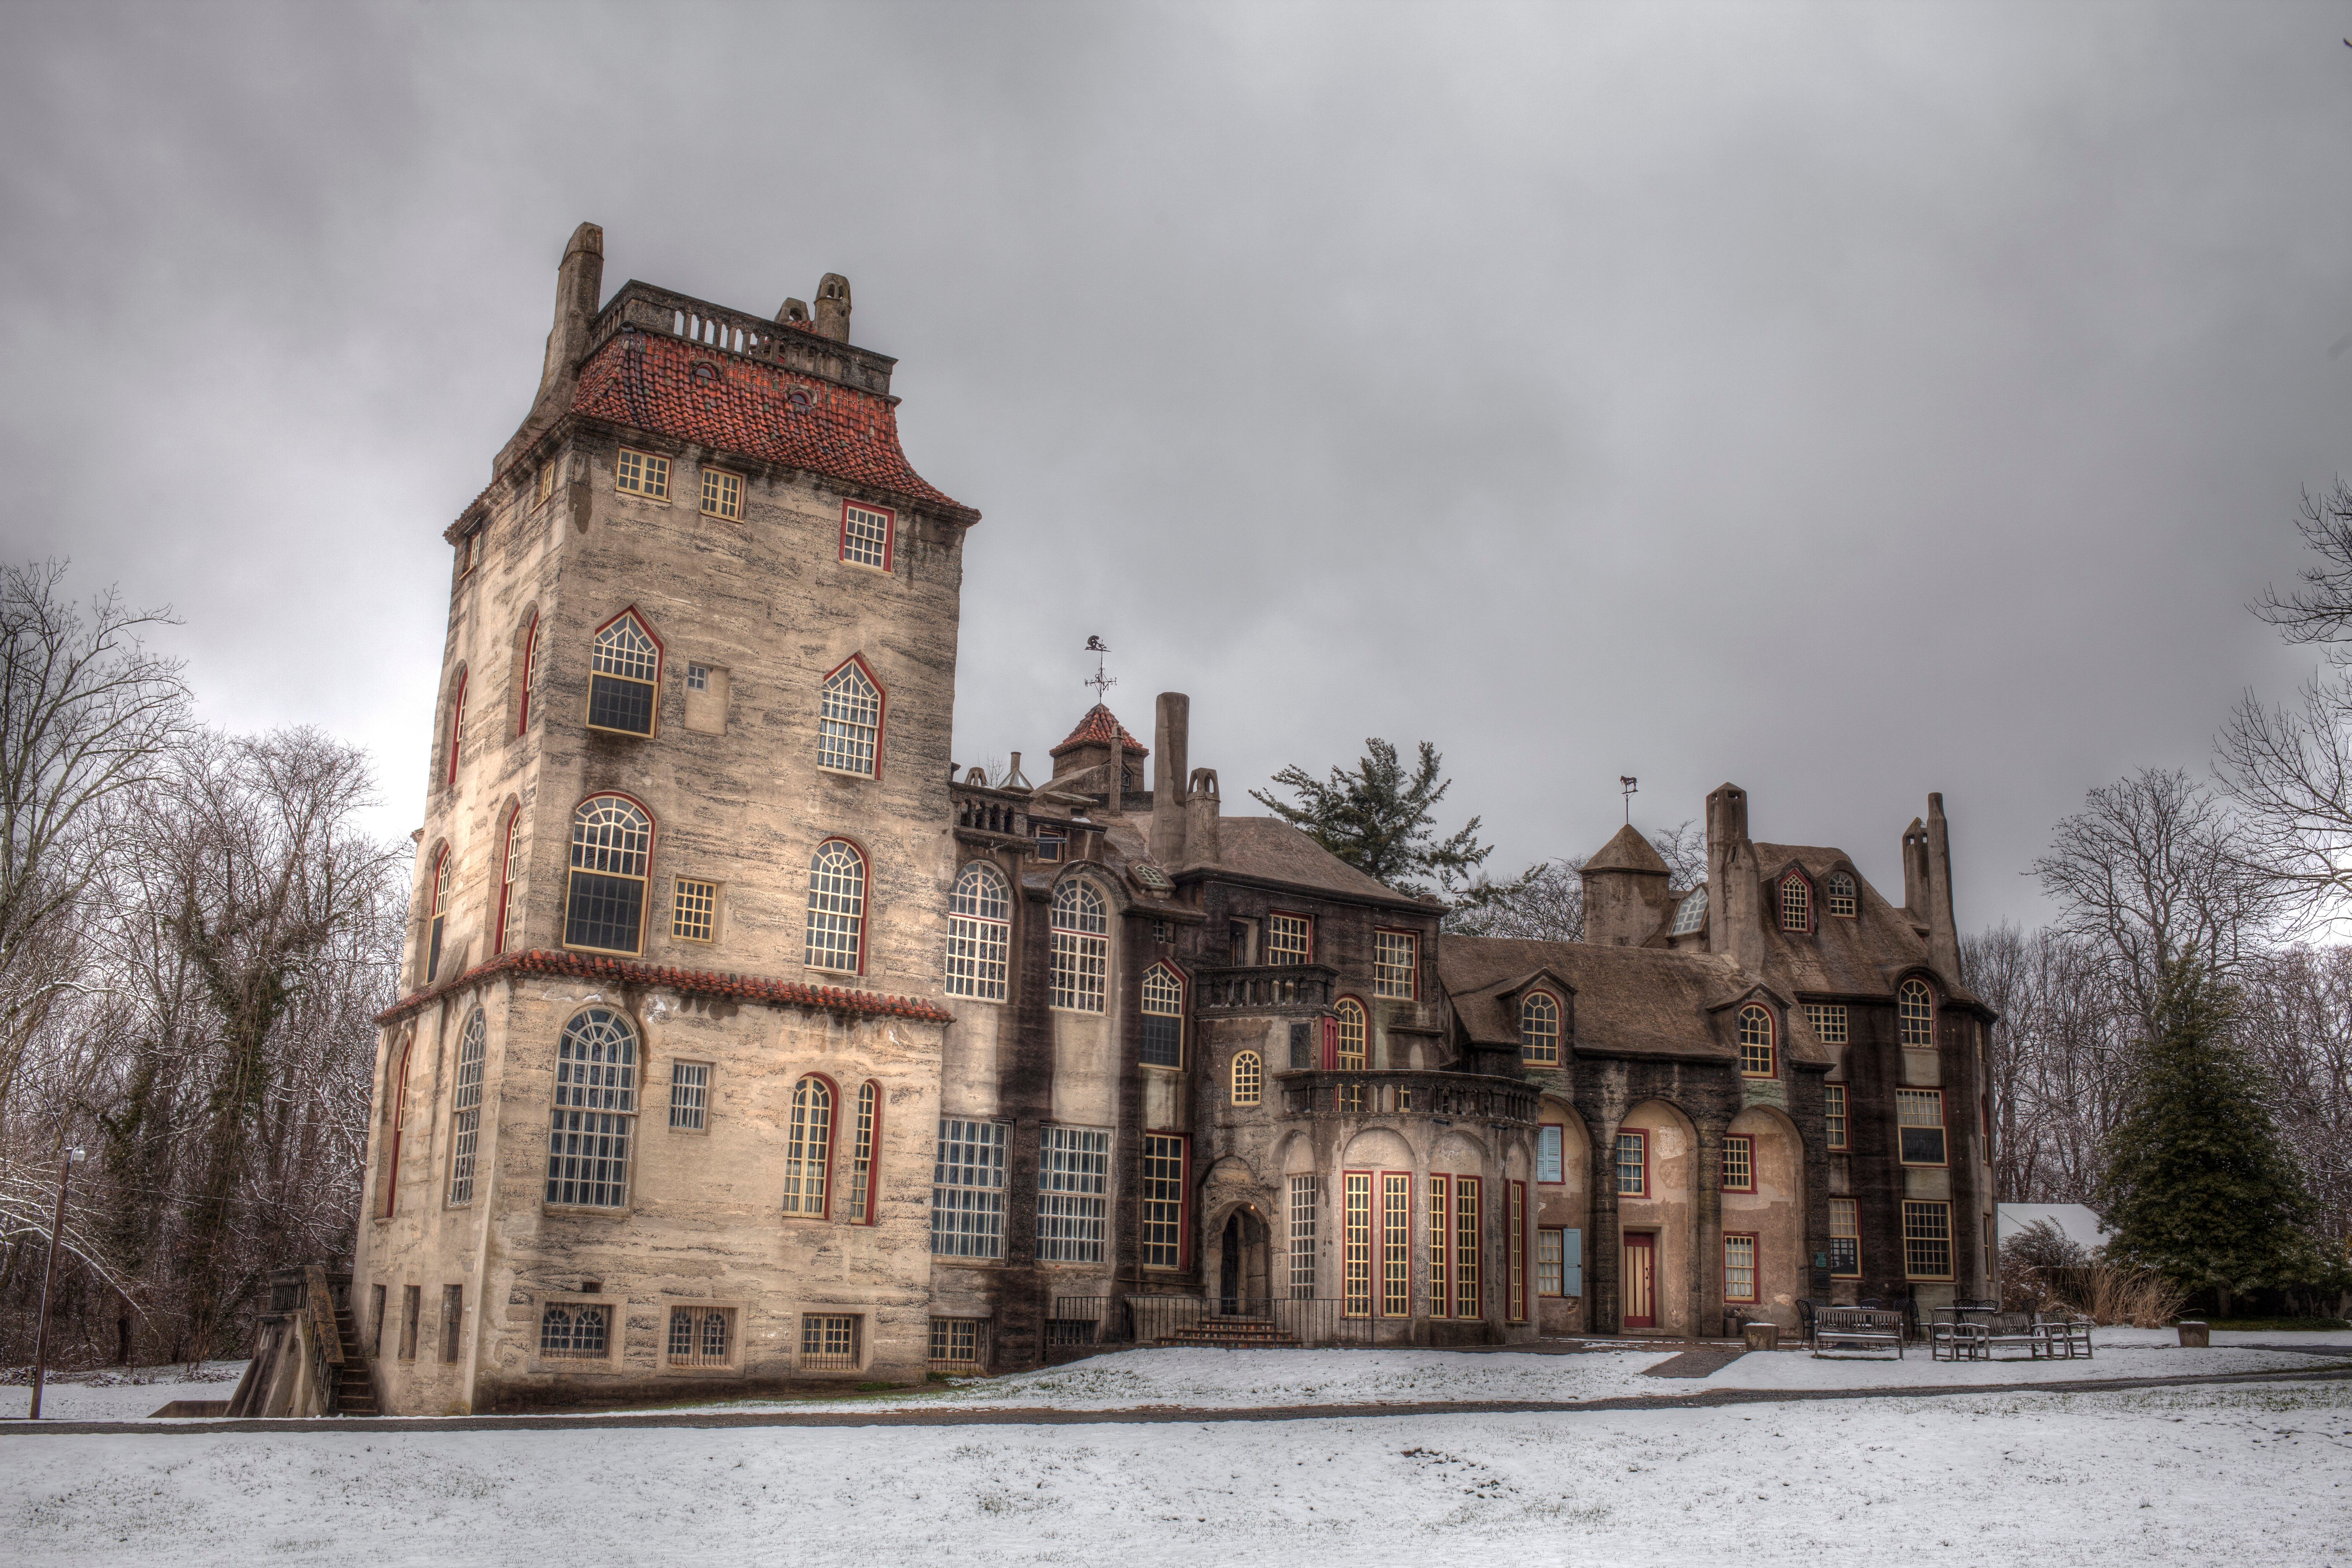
{"type": "Point", "coordinates": [1098, 680]}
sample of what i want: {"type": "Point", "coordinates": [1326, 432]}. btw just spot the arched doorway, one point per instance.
{"type": "Point", "coordinates": [1245, 1263]}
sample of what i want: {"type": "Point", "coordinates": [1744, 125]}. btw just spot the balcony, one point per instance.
{"type": "Point", "coordinates": [1446, 1096]}
{"type": "Point", "coordinates": [995, 818]}
{"type": "Point", "coordinates": [1265, 988]}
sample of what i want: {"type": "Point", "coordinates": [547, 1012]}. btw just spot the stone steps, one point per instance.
{"type": "Point", "coordinates": [1233, 1334]}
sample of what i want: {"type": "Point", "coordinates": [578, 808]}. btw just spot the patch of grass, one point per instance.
{"type": "Point", "coordinates": [881, 1387]}
{"type": "Point", "coordinates": [2278, 1325]}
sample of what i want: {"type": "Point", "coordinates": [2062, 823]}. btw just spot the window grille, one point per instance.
{"type": "Point", "coordinates": [1290, 939]}
{"type": "Point", "coordinates": [1440, 1229]}
{"type": "Point", "coordinates": [466, 1111]}
{"type": "Point", "coordinates": [1829, 1021]}
{"type": "Point", "coordinates": [1355, 1245]}
{"type": "Point", "coordinates": [1396, 1243]}
{"type": "Point", "coordinates": [574, 1332]}
{"type": "Point", "coordinates": [980, 934]}
{"type": "Point", "coordinates": [689, 1095]}
{"type": "Point", "coordinates": [1163, 1019]}
{"type": "Point", "coordinates": [1690, 914]}
{"type": "Point", "coordinates": [1796, 904]}
{"type": "Point", "coordinates": [1738, 1164]}
{"type": "Point", "coordinates": [849, 722]}
{"type": "Point", "coordinates": [1249, 1077]}
{"type": "Point", "coordinates": [808, 1147]}
{"type": "Point", "coordinates": [697, 678]}
{"type": "Point", "coordinates": [439, 914]}
{"type": "Point", "coordinates": [1845, 1239]}
{"type": "Point", "coordinates": [1081, 947]}
{"type": "Point", "coordinates": [1756, 1042]}
{"type": "Point", "coordinates": [1468, 1301]}
{"type": "Point", "coordinates": [1843, 898]}
{"type": "Point", "coordinates": [595, 1109]}
{"type": "Point", "coordinates": [1393, 964]}
{"type": "Point", "coordinates": [1633, 1165]}
{"type": "Point", "coordinates": [866, 534]}
{"type": "Point", "coordinates": [1834, 1121]}
{"type": "Point", "coordinates": [1163, 1201]}
{"type": "Point", "coordinates": [1739, 1269]}
{"type": "Point", "coordinates": [701, 1336]}
{"type": "Point", "coordinates": [695, 914]}
{"type": "Point", "coordinates": [1915, 1015]}
{"type": "Point", "coordinates": [1303, 1200]}
{"type": "Point", "coordinates": [612, 843]}
{"type": "Point", "coordinates": [1927, 1240]}
{"type": "Point", "coordinates": [967, 1190]}
{"type": "Point", "coordinates": [959, 1344]}
{"type": "Point", "coordinates": [641, 474]}
{"type": "Point", "coordinates": [861, 1153]}
{"type": "Point", "coordinates": [1919, 1118]}
{"type": "Point", "coordinates": [1073, 1195]}
{"type": "Point", "coordinates": [828, 1342]}
{"type": "Point", "coordinates": [722, 494]}
{"type": "Point", "coordinates": [622, 673]}
{"type": "Point", "coordinates": [1550, 1138]}
{"type": "Point", "coordinates": [1552, 1262]}
{"type": "Point", "coordinates": [1539, 1029]}
{"type": "Point", "coordinates": [836, 908]}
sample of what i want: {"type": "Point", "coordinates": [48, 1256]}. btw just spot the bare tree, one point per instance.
{"type": "Point", "coordinates": [2295, 1020]}
{"type": "Point", "coordinates": [1544, 903]}
{"type": "Point", "coordinates": [2321, 610]}
{"type": "Point", "coordinates": [2058, 1065]}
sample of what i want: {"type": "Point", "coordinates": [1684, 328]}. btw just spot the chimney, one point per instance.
{"type": "Point", "coordinates": [579, 284]}
{"type": "Point", "coordinates": [833, 308]}
{"type": "Point", "coordinates": [1942, 934]}
{"type": "Point", "coordinates": [1735, 918]}
{"type": "Point", "coordinates": [1200, 847]}
{"type": "Point", "coordinates": [1172, 729]}
{"type": "Point", "coordinates": [1914, 872]}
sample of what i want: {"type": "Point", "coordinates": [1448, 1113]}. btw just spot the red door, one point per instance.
{"type": "Point", "coordinates": [1640, 1279]}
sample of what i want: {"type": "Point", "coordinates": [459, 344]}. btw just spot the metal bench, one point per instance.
{"type": "Point", "coordinates": [1857, 1327]}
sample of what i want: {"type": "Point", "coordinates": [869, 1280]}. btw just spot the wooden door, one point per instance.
{"type": "Point", "coordinates": [1640, 1279]}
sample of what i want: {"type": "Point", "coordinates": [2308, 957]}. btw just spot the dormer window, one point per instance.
{"type": "Point", "coordinates": [1691, 915]}
{"type": "Point", "coordinates": [1796, 904]}
{"type": "Point", "coordinates": [1756, 1056]}
{"type": "Point", "coordinates": [1539, 1029]}
{"type": "Point", "coordinates": [1843, 899]}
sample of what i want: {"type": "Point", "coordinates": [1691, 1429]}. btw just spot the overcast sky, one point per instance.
{"type": "Point", "coordinates": [1847, 401]}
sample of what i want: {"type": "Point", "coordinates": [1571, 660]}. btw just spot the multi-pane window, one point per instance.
{"type": "Point", "coordinates": [701, 1336]}
{"type": "Point", "coordinates": [828, 1342]}
{"type": "Point", "coordinates": [1551, 1164]}
{"type": "Point", "coordinates": [546, 485]}
{"type": "Point", "coordinates": [595, 1111]}
{"type": "Point", "coordinates": [1396, 1243]}
{"type": "Point", "coordinates": [1738, 1164]}
{"type": "Point", "coordinates": [697, 678]}
{"type": "Point", "coordinates": [1349, 1057]}
{"type": "Point", "coordinates": [1356, 1244]}
{"type": "Point", "coordinates": [506, 879]}
{"type": "Point", "coordinates": [836, 908]}
{"type": "Point", "coordinates": [440, 915]}
{"type": "Point", "coordinates": [1919, 1118]}
{"type": "Point", "coordinates": [1690, 914]}
{"type": "Point", "coordinates": [1739, 1269]}
{"type": "Point", "coordinates": [1842, 897]}
{"type": "Point", "coordinates": [1081, 947]}
{"type": "Point", "coordinates": [604, 904]}
{"type": "Point", "coordinates": [689, 1096]}
{"type": "Point", "coordinates": [641, 474]}
{"type": "Point", "coordinates": [456, 730]}
{"type": "Point", "coordinates": [1393, 964]}
{"type": "Point", "coordinates": [967, 1190]}
{"type": "Point", "coordinates": [695, 913]}
{"type": "Point", "coordinates": [530, 668]}
{"type": "Point", "coordinates": [1633, 1165]}
{"type": "Point", "coordinates": [808, 1147]}
{"type": "Point", "coordinates": [1440, 1229]}
{"type": "Point", "coordinates": [1163, 1201]}
{"type": "Point", "coordinates": [1845, 1238]}
{"type": "Point", "coordinates": [466, 1111]}
{"type": "Point", "coordinates": [980, 934]}
{"type": "Point", "coordinates": [1515, 1250]}
{"type": "Point", "coordinates": [1829, 1021]}
{"type": "Point", "coordinates": [1915, 1015]}
{"type": "Point", "coordinates": [574, 1331]}
{"type": "Point", "coordinates": [866, 534]}
{"type": "Point", "coordinates": [1927, 1240]}
{"type": "Point", "coordinates": [624, 672]}
{"type": "Point", "coordinates": [1756, 1042]}
{"type": "Point", "coordinates": [1552, 1262]}
{"type": "Point", "coordinates": [1073, 1195]}
{"type": "Point", "coordinates": [1834, 1121]}
{"type": "Point", "coordinates": [959, 1344]}
{"type": "Point", "coordinates": [849, 722]}
{"type": "Point", "coordinates": [1468, 1300]}
{"type": "Point", "coordinates": [1796, 903]}
{"type": "Point", "coordinates": [1303, 1199]}
{"type": "Point", "coordinates": [862, 1132]}
{"type": "Point", "coordinates": [1290, 939]}
{"type": "Point", "coordinates": [1163, 1019]}
{"type": "Point", "coordinates": [722, 494]}
{"type": "Point", "coordinates": [1249, 1077]}
{"type": "Point", "coordinates": [1539, 1029]}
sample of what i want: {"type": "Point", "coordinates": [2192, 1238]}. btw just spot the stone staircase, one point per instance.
{"type": "Point", "coordinates": [1232, 1334]}
{"type": "Point", "coordinates": [355, 1390]}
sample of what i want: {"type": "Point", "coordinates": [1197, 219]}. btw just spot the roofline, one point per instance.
{"type": "Point", "coordinates": [843, 1003]}
{"type": "Point", "coordinates": [1251, 879]}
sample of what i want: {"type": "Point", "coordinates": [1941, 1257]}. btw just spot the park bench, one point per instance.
{"type": "Point", "coordinates": [1857, 1327]}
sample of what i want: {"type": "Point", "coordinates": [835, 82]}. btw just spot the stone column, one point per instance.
{"type": "Point", "coordinates": [1706, 1230]}
{"type": "Point", "coordinates": [1604, 1247]}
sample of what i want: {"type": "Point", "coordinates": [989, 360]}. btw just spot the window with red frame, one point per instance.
{"type": "Point", "coordinates": [808, 1148]}
{"type": "Point", "coordinates": [1738, 1267]}
{"type": "Point", "coordinates": [1756, 1053]}
{"type": "Point", "coordinates": [439, 915]}
{"type": "Point", "coordinates": [456, 730]}
{"type": "Point", "coordinates": [529, 662]}
{"type": "Point", "coordinates": [868, 534]}
{"type": "Point", "coordinates": [506, 879]}
{"type": "Point", "coordinates": [1632, 1164]}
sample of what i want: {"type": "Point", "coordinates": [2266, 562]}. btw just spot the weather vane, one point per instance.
{"type": "Point", "coordinates": [1100, 681]}
{"type": "Point", "coordinates": [1629, 786]}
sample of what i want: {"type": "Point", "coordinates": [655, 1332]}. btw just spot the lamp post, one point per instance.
{"type": "Point", "coordinates": [48, 1275]}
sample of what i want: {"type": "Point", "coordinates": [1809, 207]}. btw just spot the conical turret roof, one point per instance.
{"type": "Point", "coordinates": [1627, 851]}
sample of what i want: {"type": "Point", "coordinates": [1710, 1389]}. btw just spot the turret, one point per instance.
{"type": "Point", "coordinates": [1624, 890]}
{"type": "Point", "coordinates": [833, 308]}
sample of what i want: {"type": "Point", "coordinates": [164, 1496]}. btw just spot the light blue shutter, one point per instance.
{"type": "Point", "coordinates": [1572, 1263]}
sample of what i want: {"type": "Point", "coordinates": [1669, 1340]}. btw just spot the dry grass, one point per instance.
{"type": "Point", "coordinates": [2111, 1296]}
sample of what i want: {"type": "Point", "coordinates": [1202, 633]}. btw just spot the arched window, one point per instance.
{"type": "Point", "coordinates": [980, 934]}
{"type": "Point", "coordinates": [1249, 1077]}
{"type": "Point", "coordinates": [506, 878]}
{"type": "Point", "coordinates": [1691, 915]}
{"type": "Point", "coordinates": [595, 1111]}
{"type": "Point", "coordinates": [1163, 1019]}
{"type": "Point", "coordinates": [624, 676]}
{"type": "Point", "coordinates": [612, 845]}
{"type": "Point", "coordinates": [836, 908]}
{"type": "Point", "coordinates": [529, 666]}
{"type": "Point", "coordinates": [1350, 1057]}
{"type": "Point", "coordinates": [1843, 899]}
{"type": "Point", "coordinates": [861, 1153]}
{"type": "Point", "coordinates": [849, 722]}
{"type": "Point", "coordinates": [1756, 1054]}
{"type": "Point", "coordinates": [399, 1125]}
{"type": "Point", "coordinates": [1539, 1028]}
{"type": "Point", "coordinates": [1915, 1015]}
{"type": "Point", "coordinates": [456, 730]}
{"type": "Point", "coordinates": [439, 913]}
{"type": "Point", "coordinates": [466, 1111]}
{"type": "Point", "coordinates": [1796, 903]}
{"type": "Point", "coordinates": [808, 1149]}
{"type": "Point", "coordinates": [1081, 947]}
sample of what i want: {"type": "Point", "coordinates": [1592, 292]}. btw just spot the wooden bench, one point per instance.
{"type": "Point", "coordinates": [1857, 1327]}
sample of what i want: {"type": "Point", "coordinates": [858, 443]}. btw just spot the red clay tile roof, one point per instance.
{"type": "Point", "coordinates": [852, 1005]}
{"type": "Point", "coordinates": [1100, 727]}
{"type": "Point", "coordinates": [648, 381]}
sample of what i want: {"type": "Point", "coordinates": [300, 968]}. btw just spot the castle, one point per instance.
{"type": "Point", "coordinates": [742, 1044]}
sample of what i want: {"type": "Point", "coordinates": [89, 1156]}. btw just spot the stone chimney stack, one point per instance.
{"type": "Point", "coordinates": [1915, 871]}
{"type": "Point", "coordinates": [833, 308]}
{"type": "Point", "coordinates": [1173, 727]}
{"type": "Point", "coordinates": [1942, 934]}
{"type": "Point", "coordinates": [1735, 916]}
{"type": "Point", "coordinates": [579, 285]}
{"type": "Point", "coordinates": [1201, 807]}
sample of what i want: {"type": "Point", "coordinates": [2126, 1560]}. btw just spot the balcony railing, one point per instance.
{"type": "Point", "coordinates": [995, 812]}
{"type": "Point", "coordinates": [1265, 988]}
{"type": "Point", "coordinates": [1447, 1096]}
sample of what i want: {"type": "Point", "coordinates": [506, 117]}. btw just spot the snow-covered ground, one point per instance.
{"type": "Point", "coordinates": [2252, 1475]}
{"type": "Point", "coordinates": [119, 1395]}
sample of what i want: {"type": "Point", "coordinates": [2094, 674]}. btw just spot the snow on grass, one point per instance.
{"type": "Point", "coordinates": [2251, 1475]}
{"type": "Point", "coordinates": [115, 1393]}
{"type": "Point", "coordinates": [1917, 1369]}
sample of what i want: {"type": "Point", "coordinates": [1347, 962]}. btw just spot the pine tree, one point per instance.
{"type": "Point", "coordinates": [1379, 820]}
{"type": "Point", "coordinates": [2199, 1185]}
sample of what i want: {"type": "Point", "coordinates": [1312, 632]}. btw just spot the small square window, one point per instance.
{"type": "Point", "coordinates": [828, 1342]}
{"type": "Point", "coordinates": [546, 484]}
{"type": "Point", "coordinates": [642, 474]}
{"type": "Point", "coordinates": [866, 534]}
{"type": "Point", "coordinates": [574, 1331]}
{"type": "Point", "coordinates": [1290, 939]}
{"type": "Point", "coordinates": [1829, 1021]}
{"type": "Point", "coordinates": [722, 494]}
{"type": "Point", "coordinates": [701, 1336]}
{"type": "Point", "coordinates": [697, 678]}
{"type": "Point", "coordinates": [696, 909]}
{"type": "Point", "coordinates": [959, 1344]}
{"type": "Point", "coordinates": [1049, 850]}
{"type": "Point", "coordinates": [689, 1096]}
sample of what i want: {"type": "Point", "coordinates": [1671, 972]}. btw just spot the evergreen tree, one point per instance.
{"type": "Point", "coordinates": [2199, 1184]}
{"type": "Point", "coordinates": [1379, 818]}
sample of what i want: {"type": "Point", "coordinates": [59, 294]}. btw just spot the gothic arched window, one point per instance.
{"type": "Point", "coordinates": [836, 908]}
{"type": "Point", "coordinates": [624, 677]}
{"type": "Point", "coordinates": [1915, 1015]}
{"type": "Point", "coordinates": [1843, 898]}
{"type": "Point", "coordinates": [506, 879]}
{"type": "Point", "coordinates": [456, 730]}
{"type": "Point", "coordinates": [1163, 1019]}
{"type": "Point", "coordinates": [439, 913]}
{"type": "Point", "coordinates": [527, 666]}
{"type": "Point", "coordinates": [1796, 903]}
{"type": "Point", "coordinates": [466, 1111]}
{"type": "Point", "coordinates": [1081, 947]}
{"type": "Point", "coordinates": [980, 934]}
{"type": "Point", "coordinates": [604, 905]}
{"type": "Point", "coordinates": [1539, 1028]}
{"type": "Point", "coordinates": [808, 1147]}
{"type": "Point", "coordinates": [849, 722]}
{"type": "Point", "coordinates": [595, 1110]}
{"type": "Point", "coordinates": [1757, 1058]}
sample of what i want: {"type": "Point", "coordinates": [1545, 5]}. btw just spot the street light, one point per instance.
{"type": "Point", "coordinates": [49, 1274]}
